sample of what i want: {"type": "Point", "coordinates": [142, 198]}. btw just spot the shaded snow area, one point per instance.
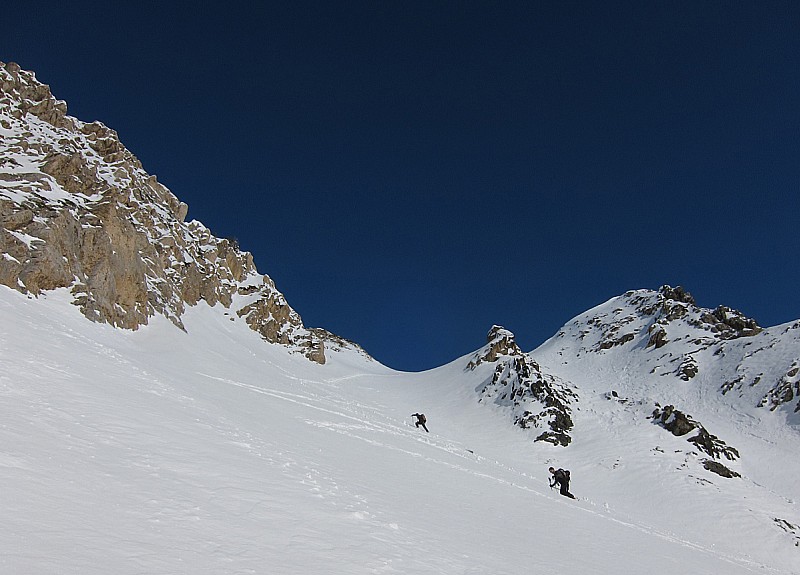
{"type": "Point", "coordinates": [209, 451]}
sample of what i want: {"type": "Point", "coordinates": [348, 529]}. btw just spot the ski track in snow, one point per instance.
{"type": "Point", "coordinates": [453, 449]}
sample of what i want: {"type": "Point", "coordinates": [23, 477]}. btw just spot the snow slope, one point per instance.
{"type": "Point", "coordinates": [211, 452]}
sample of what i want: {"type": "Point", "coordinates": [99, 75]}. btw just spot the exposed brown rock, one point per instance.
{"type": "Point", "coordinates": [536, 401]}
{"type": "Point", "coordinates": [78, 210]}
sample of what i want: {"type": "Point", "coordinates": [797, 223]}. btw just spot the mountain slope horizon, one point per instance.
{"type": "Point", "coordinates": [209, 452]}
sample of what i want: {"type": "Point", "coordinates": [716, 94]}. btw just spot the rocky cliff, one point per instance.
{"type": "Point", "coordinates": [78, 211]}
{"type": "Point", "coordinates": [536, 400]}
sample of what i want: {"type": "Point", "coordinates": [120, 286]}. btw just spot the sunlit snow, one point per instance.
{"type": "Point", "coordinates": [213, 452]}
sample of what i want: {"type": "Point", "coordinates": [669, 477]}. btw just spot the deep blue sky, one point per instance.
{"type": "Point", "coordinates": [410, 173]}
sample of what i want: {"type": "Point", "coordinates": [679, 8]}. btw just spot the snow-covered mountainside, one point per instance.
{"type": "Point", "coordinates": [78, 210]}
{"type": "Point", "coordinates": [166, 435]}
{"type": "Point", "coordinates": [661, 342]}
{"type": "Point", "coordinates": [712, 390]}
{"type": "Point", "coordinates": [207, 452]}
{"type": "Point", "coordinates": [658, 350]}
{"type": "Point", "coordinates": [658, 345]}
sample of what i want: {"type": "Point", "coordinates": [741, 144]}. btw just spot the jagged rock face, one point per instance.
{"type": "Point", "coordinates": [272, 316]}
{"type": "Point", "coordinates": [77, 210]}
{"type": "Point", "coordinates": [536, 400]}
{"type": "Point", "coordinates": [660, 313]}
{"type": "Point", "coordinates": [675, 305]}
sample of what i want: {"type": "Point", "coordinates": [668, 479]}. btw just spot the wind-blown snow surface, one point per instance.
{"type": "Point", "coordinates": [212, 452]}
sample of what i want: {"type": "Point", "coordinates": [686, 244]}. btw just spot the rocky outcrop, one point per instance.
{"type": "Point", "coordinates": [680, 424]}
{"type": "Point", "coordinates": [719, 469]}
{"type": "Point", "coordinates": [272, 316]}
{"type": "Point", "coordinates": [662, 321]}
{"type": "Point", "coordinates": [536, 400]}
{"type": "Point", "coordinates": [769, 371]}
{"type": "Point", "coordinates": [790, 528]}
{"type": "Point", "coordinates": [786, 390]}
{"type": "Point", "coordinates": [677, 294]}
{"type": "Point", "coordinates": [667, 308]}
{"type": "Point", "coordinates": [723, 322]}
{"type": "Point", "coordinates": [78, 211]}
{"type": "Point", "coordinates": [500, 342]}
{"type": "Point", "coordinates": [658, 336]}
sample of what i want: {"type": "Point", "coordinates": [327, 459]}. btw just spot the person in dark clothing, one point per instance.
{"type": "Point", "coordinates": [561, 477]}
{"type": "Point", "coordinates": [421, 420]}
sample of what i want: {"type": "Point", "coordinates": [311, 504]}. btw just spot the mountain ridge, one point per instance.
{"type": "Point", "coordinates": [676, 339]}
{"type": "Point", "coordinates": [78, 210]}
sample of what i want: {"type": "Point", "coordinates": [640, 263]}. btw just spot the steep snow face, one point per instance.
{"type": "Point", "coordinates": [205, 451]}
{"type": "Point", "coordinates": [78, 210]}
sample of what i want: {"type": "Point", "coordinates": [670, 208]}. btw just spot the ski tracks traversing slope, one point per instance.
{"type": "Point", "coordinates": [365, 423]}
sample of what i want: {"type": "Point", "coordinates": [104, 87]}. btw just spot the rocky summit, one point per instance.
{"type": "Point", "coordinates": [536, 400]}
{"type": "Point", "coordinates": [656, 358]}
{"type": "Point", "coordinates": [78, 211]}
